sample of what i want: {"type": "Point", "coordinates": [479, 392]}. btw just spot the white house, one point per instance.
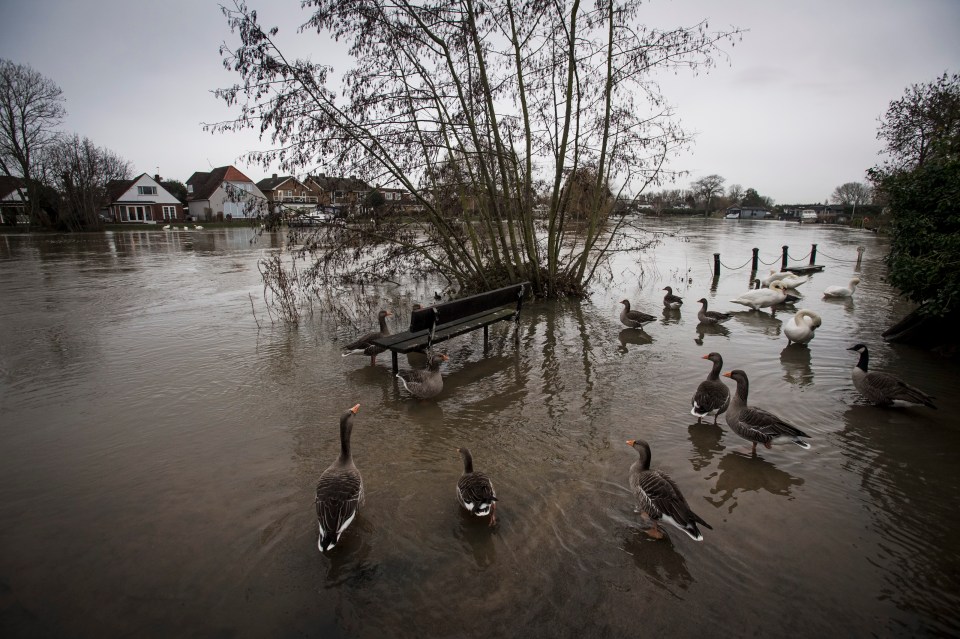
{"type": "Point", "coordinates": [224, 194]}
{"type": "Point", "coordinates": [142, 200]}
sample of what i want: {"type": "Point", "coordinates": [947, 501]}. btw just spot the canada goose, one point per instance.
{"type": "Point", "coordinates": [340, 490]}
{"type": "Point", "coordinates": [883, 389]}
{"type": "Point", "coordinates": [659, 498]}
{"type": "Point", "coordinates": [475, 490]}
{"type": "Point", "coordinates": [755, 424]}
{"type": "Point", "coordinates": [634, 319]}
{"type": "Point", "coordinates": [842, 291]}
{"type": "Point", "coordinates": [365, 343]}
{"type": "Point", "coordinates": [800, 328]}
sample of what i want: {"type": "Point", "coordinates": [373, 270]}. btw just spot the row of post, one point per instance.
{"type": "Point", "coordinates": [755, 265]}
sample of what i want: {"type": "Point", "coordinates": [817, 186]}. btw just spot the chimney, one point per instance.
{"type": "Point", "coordinates": [274, 176]}
{"type": "Point", "coordinates": [189, 188]}
{"type": "Point", "coordinates": [156, 178]}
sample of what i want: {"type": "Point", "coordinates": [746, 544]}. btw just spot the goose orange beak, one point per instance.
{"type": "Point", "coordinates": [705, 357]}
{"type": "Point", "coordinates": [355, 409]}
{"type": "Point", "coordinates": [727, 374]}
{"type": "Point", "coordinates": [630, 442]}
{"type": "Point", "coordinates": [445, 356]}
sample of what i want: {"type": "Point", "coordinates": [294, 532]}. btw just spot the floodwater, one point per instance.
{"type": "Point", "coordinates": [159, 452]}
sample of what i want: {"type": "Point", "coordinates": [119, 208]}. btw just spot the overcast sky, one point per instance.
{"type": "Point", "coordinates": [793, 114]}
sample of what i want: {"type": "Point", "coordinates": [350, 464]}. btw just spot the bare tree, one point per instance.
{"type": "Point", "coordinates": [735, 193]}
{"type": "Point", "coordinates": [31, 109]}
{"type": "Point", "coordinates": [852, 193]}
{"type": "Point", "coordinates": [509, 93]}
{"type": "Point", "coordinates": [81, 172]}
{"type": "Point", "coordinates": [707, 188]}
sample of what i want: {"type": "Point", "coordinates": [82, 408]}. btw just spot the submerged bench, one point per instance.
{"type": "Point", "coordinates": [438, 323]}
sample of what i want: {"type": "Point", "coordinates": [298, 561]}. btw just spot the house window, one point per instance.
{"type": "Point", "coordinates": [136, 213]}
{"type": "Point", "coordinates": [169, 212]}
{"type": "Point", "coordinates": [289, 193]}
{"type": "Point", "coordinates": [147, 190]}
{"type": "Point", "coordinates": [337, 196]}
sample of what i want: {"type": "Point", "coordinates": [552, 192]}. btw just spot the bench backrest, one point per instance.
{"type": "Point", "coordinates": [423, 318]}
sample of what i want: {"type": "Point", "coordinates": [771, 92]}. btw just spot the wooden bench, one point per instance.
{"type": "Point", "coordinates": [439, 323]}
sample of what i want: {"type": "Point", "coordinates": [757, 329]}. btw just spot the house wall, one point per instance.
{"type": "Point", "coordinates": [220, 205]}
{"type": "Point", "coordinates": [162, 195]}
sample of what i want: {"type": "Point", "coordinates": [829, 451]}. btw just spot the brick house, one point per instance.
{"type": "Point", "coordinates": [287, 193]}
{"type": "Point", "coordinates": [142, 200]}
{"type": "Point", "coordinates": [224, 193]}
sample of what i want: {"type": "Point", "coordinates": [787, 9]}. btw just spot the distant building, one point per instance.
{"type": "Point", "coordinates": [141, 200]}
{"type": "Point", "coordinates": [13, 200]}
{"type": "Point", "coordinates": [223, 194]}
{"type": "Point", "coordinates": [288, 194]}
{"type": "Point", "coordinates": [749, 212]}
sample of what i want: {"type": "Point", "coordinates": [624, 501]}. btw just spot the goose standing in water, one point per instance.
{"type": "Point", "coordinates": [800, 328]}
{"type": "Point", "coordinates": [659, 498]}
{"type": "Point", "coordinates": [712, 396]}
{"type": "Point", "coordinates": [842, 291]}
{"type": "Point", "coordinates": [475, 490]}
{"type": "Point", "coordinates": [762, 298]}
{"type": "Point", "coordinates": [883, 389]}
{"type": "Point", "coordinates": [670, 300]}
{"type": "Point", "coordinates": [427, 382]}
{"type": "Point", "coordinates": [365, 344]}
{"type": "Point", "coordinates": [710, 317]}
{"type": "Point", "coordinates": [634, 319]}
{"type": "Point", "coordinates": [340, 490]}
{"type": "Point", "coordinates": [755, 424]}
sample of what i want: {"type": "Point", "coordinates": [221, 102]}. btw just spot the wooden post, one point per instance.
{"type": "Point", "coordinates": [783, 260]}
{"type": "Point", "coordinates": [813, 254]}
{"type": "Point", "coordinates": [860, 250]}
{"type": "Point", "coordinates": [395, 367]}
{"type": "Point", "coordinates": [756, 260]}
{"type": "Point", "coordinates": [716, 265]}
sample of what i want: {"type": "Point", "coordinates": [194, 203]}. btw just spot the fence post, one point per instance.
{"type": "Point", "coordinates": [756, 259]}
{"type": "Point", "coordinates": [813, 254]}
{"type": "Point", "coordinates": [783, 261]}
{"type": "Point", "coordinates": [860, 250]}
{"type": "Point", "coordinates": [716, 264]}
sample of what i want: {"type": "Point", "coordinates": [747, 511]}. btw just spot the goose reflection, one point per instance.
{"type": "Point", "coordinates": [477, 536]}
{"type": "Point", "coordinates": [665, 567]}
{"type": "Point", "coordinates": [349, 561]}
{"type": "Point", "coordinates": [670, 316]}
{"type": "Point", "coordinates": [634, 337]}
{"type": "Point", "coordinates": [714, 330]}
{"type": "Point", "coordinates": [705, 438]}
{"type": "Point", "coordinates": [795, 360]}
{"type": "Point", "coordinates": [738, 472]}
{"type": "Point", "coordinates": [759, 322]}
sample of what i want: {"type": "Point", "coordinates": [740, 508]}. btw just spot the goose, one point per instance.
{"type": "Point", "coordinates": [883, 389]}
{"type": "Point", "coordinates": [659, 498]}
{"type": "Point", "coordinates": [712, 396]}
{"type": "Point", "coordinates": [633, 319]}
{"type": "Point", "coordinates": [800, 328]}
{"type": "Point", "coordinates": [842, 291]}
{"type": "Point", "coordinates": [475, 490]}
{"type": "Point", "coordinates": [340, 490]}
{"type": "Point", "coordinates": [670, 300]}
{"type": "Point", "coordinates": [365, 343]}
{"type": "Point", "coordinates": [755, 424]}
{"type": "Point", "coordinates": [427, 382]}
{"type": "Point", "coordinates": [762, 298]}
{"type": "Point", "coordinates": [711, 317]}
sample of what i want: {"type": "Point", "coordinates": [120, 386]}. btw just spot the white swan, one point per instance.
{"type": "Point", "coordinates": [762, 298]}
{"type": "Point", "coordinates": [800, 328]}
{"type": "Point", "coordinates": [793, 281]}
{"type": "Point", "coordinates": [775, 277]}
{"type": "Point", "coordinates": [198, 227]}
{"type": "Point", "coordinates": [166, 227]}
{"type": "Point", "coordinates": [842, 291]}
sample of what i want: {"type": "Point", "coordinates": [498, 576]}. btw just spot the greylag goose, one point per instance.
{"type": "Point", "coordinates": [340, 490]}
{"type": "Point", "coordinates": [710, 317]}
{"type": "Point", "coordinates": [426, 382]}
{"type": "Point", "coordinates": [762, 298]}
{"type": "Point", "coordinates": [842, 291]}
{"type": "Point", "coordinates": [755, 424]}
{"type": "Point", "coordinates": [670, 300]}
{"type": "Point", "coordinates": [634, 319]}
{"type": "Point", "coordinates": [365, 344]}
{"type": "Point", "coordinates": [800, 328]}
{"type": "Point", "coordinates": [883, 389]}
{"type": "Point", "coordinates": [659, 498]}
{"type": "Point", "coordinates": [475, 490]}
{"type": "Point", "coordinates": [712, 396]}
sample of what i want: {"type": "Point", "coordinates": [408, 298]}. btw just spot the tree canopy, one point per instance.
{"type": "Point", "coordinates": [496, 105]}
{"type": "Point", "coordinates": [852, 193]}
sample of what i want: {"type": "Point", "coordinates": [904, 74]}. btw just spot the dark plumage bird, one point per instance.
{"type": "Point", "coordinates": [475, 490]}
{"type": "Point", "coordinates": [883, 389]}
{"type": "Point", "coordinates": [425, 382]}
{"type": "Point", "coordinates": [437, 296]}
{"type": "Point", "coordinates": [711, 317]}
{"type": "Point", "coordinates": [365, 344]}
{"type": "Point", "coordinates": [659, 498]}
{"type": "Point", "coordinates": [634, 319]}
{"type": "Point", "coordinates": [755, 424]}
{"type": "Point", "coordinates": [712, 396]}
{"type": "Point", "coordinates": [670, 300]}
{"type": "Point", "coordinates": [340, 490]}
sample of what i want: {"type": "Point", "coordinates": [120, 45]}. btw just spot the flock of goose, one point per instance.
{"type": "Point", "coordinates": [659, 499]}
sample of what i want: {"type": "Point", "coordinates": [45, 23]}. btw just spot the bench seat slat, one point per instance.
{"type": "Point", "coordinates": [410, 341]}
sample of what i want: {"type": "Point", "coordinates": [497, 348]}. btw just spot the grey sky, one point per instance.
{"type": "Point", "coordinates": [793, 115]}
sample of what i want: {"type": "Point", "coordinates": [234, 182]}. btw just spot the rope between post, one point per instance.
{"type": "Point", "coordinates": [799, 259]}
{"type": "Point", "coordinates": [777, 259]}
{"type": "Point", "coordinates": [835, 259]}
{"type": "Point", "coordinates": [730, 268]}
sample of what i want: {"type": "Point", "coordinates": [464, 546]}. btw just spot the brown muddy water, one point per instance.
{"type": "Point", "coordinates": [158, 457]}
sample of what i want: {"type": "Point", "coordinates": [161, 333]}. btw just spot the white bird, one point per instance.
{"type": "Point", "coordinates": [186, 228]}
{"type": "Point", "coordinates": [842, 291]}
{"type": "Point", "coordinates": [198, 227]}
{"type": "Point", "coordinates": [762, 298]}
{"type": "Point", "coordinates": [793, 281]}
{"type": "Point", "coordinates": [166, 227]}
{"type": "Point", "coordinates": [800, 328]}
{"type": "Point", "coordinates": [775, 277]}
